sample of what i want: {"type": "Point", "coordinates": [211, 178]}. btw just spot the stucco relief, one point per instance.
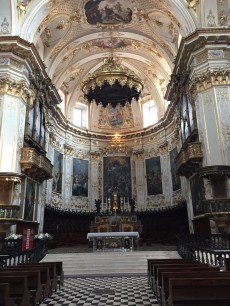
{"type": "Point", "coordinates": [211, 22]}
{"type": "Point", "coordinates": [56, 200]}
{"type": "Point", "coordinates": [5, 27]}
{"type": "Point", "coordinates": [178, 197]}
{"type": "Point", "coordinates": [155, 201]}
{"type": "Point", "coordinates": [100, 169]}
{"type": "Point", "coordinates": [4, 61]}
{"type": "Point", "coordinates": [79, 203]}
{"type": "Point", "coordinates": [223, 101]}
{"type": "Point", "coordinates": [223, 12]}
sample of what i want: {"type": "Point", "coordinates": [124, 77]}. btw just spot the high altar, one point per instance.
{"type": "Point", "coordinates": [116, 228]}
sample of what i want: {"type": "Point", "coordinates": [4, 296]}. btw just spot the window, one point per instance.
{"type": "Point", "coordinates": [150, 115]}
{"type": "Point", "coordinates": [80, 115]}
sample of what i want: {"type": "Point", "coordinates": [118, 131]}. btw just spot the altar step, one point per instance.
{"type": "Point", "coordinates": [107, 263]}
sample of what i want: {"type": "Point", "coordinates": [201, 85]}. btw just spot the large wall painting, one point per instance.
{"type": "Point", "coordinates": [115, 115]}
{"type": "Point", "coordinates": [29, 200]}
{"type": "Point", "coordinates": [117, 176]}
{"type": "Point", "coordinates": [175, 178]}
{"type": "Point", "coordinates": [153, 174]}
{"type": "Point", "coordinates": [80, 178]}
{"type": "Point", "coordinates": [57, 171]}
{"type": "Point", "coordinates": [108, 11]}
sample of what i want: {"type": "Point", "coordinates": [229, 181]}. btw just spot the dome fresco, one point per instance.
{"type": "Point", "coordinates": [74, 38]}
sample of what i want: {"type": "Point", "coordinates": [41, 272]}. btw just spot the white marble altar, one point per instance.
{"type": "Point", "coordinates": [113, 241]}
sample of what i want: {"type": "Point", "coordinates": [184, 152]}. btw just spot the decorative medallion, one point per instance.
{"type": "Point", "coordinates": [108, 12]}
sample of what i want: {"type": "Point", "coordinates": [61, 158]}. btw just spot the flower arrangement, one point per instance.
{"type": "Point", "coordinates": [13, 237]}
{"type": "Point", "coordinates": [43, 236]}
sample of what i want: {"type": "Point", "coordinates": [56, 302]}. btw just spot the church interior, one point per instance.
{"type": "Point", "coordinates": [115, 133]}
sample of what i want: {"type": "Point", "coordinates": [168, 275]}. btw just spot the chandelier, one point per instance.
{"type": "Point", "coordinates": [112, 84]}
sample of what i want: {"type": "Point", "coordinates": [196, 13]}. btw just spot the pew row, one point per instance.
{"type": "Point", "coordinates": [18, 289]}
{"type": "Point", "coordinates": [33, 282]}
{"type": "Point", "coordinates": [5, 299]}
{"type": "Point", "coordinates": [152, 262]}
{"type": "Point", "coordinates": [199, 291]}
{"type": "Point", "coordinates": [44, 277]}
{"type": "Point", "coordinates": [212, 272]}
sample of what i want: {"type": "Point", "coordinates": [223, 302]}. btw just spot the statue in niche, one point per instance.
{"type": "Point", "coordinates": [132, 205]}
{"type": "Point", "coordinates": [98, 205]}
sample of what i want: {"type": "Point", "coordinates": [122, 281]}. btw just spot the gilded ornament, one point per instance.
{"type": "Point", "coordinates": [193, 4]}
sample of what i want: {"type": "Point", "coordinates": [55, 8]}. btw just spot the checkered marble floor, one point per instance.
{"type": "Point", "coordinates": [104, 291]}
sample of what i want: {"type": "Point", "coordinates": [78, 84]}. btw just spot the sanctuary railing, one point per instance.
{"type": "Point", "coordinates": [12, 255]}
{"type": "Point", "coordinates": [212, 250]}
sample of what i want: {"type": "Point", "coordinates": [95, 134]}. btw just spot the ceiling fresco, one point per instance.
{"type": "Point", "coordinates": [74, 38]}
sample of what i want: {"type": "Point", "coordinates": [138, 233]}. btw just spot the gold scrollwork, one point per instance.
{"type": "Point", "coordinates": [209, 79]}
{"type": "Point", "coordinates": [14, 88]}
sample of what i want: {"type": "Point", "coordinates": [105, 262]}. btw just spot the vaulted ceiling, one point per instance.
{"type": "Point", "coordinates": [73, 38]}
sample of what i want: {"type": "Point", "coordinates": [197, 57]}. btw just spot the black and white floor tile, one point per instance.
{"type": "Point", "coordinates": [104, 291]}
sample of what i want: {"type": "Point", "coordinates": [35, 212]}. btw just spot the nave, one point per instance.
{"type": "Point", "coordinates": [105, 278]}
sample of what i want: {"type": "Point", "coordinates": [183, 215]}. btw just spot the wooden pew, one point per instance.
{"type": "Point", "coordinates": [151, 262]}
{"type": "Point", "coordinates": [44, 277]}
{"type": "Point", "coordinates": [33, 281]}
{"type": "Point", "coordinates": [227, 264]}
{"type": "Point", "coordinates": [199, 291]}
{"type": "Point", "coordinates": [18, 289]}
{"type": "Point", "coordinates": [172, 265]}
{"type": "Point", "coordinates": [188, 269]}
{"type": "Point", "coordinates": [5, 299]}
{"type": "Point", "coordinates": [59, 272]}
{"type": "Point", "coordinates": [52, 271]}
{"type": "Point", "coordinates": [212, 272]}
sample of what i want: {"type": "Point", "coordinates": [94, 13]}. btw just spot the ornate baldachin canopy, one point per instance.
{"type": "Point", "coordinates": [112, 84]}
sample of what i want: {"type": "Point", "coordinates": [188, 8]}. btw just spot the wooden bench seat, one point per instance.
{"type": "Point", "coordinates": [172, 265]}
{"type": "Point", "coordinates": [52, 271]}
{"type": "Point", "coordinates": [33, 281]}
{"type": "Point", "coordinates": [212, 272]}
{"type": "Point", "coordinates": [199, 291]}
{"type": "Point", "coordinates": [152, 262]}
{"type": "Point", "coordinates": [59, 271]}
{"type": "Point", "coordinates": [5, 299]}
{"type": "Point", "coordinates": [18, 289]}
{"type": "Point", "coordinates": [180, 269]}
{"type": "Point", "coordinates": [44, 277]}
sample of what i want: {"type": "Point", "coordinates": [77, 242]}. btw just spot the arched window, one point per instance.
{"type": "Point", "coordinates": [150, 115]}
{"type": "Point", "coordinates": [80, 115]}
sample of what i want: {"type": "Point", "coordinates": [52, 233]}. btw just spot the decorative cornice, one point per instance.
{"type": "Point", "coordinates": [212, 171]}
{"type": "Point", "coordinates": [29, 56]}
{"type": "Point", "coordinates": [15, 88]}
{"type": "Point", "coordinates": [11, 176]}
{"type": "Point", "coordinates": [198, 40]}
{"type": "Point", "coordinates": [209, 79]}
